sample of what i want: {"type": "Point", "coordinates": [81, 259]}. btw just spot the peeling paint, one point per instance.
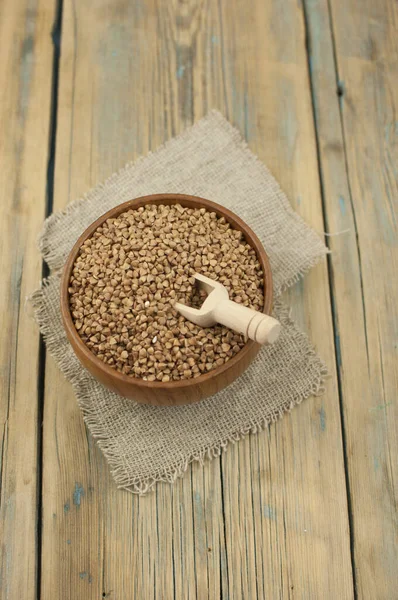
{"type": "Point", "coordinates": [342, 206]}
{"type": "Point", "coordinates": [180, 71]}
{"type": "Point", "coordinates": [269, 512]}
{"type": "Point", "coordinates": [78, 494]}
{"type": "Point", "coordinates": [380, 406]}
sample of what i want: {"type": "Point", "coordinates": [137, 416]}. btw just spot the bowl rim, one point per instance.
{"type": "Point", "coordinates": [190, 201]}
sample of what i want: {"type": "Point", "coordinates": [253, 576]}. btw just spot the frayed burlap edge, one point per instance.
{"type": "Point", "coordinates": [79, 378]}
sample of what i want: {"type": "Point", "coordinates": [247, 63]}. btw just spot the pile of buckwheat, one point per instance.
{"type": "Point", "coordinates": [133, 269]}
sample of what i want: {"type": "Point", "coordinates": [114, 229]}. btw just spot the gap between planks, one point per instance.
{"type": "Point", "coordinates": [56, 36]}
{"type": "Point", "coordinates": [339, 93]}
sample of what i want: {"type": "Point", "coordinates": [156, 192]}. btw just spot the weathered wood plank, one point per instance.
{"type": "Point", "coordinates": [132, 75]}
{"type": "Point", "coordinates": [358, 143]}
{"type": "Point", "coordinates": [296, 474]}
{"type": "Point", "coordinates": [25, 100]}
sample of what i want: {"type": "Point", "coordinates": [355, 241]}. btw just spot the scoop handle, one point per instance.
{"type": "Point", "coordinates": [257, 326]}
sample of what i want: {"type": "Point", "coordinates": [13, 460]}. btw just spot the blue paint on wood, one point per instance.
{"type": "Point", "coordinates": [388, 225]}
{"type": "Point", "coordinates": [380, 406]}
{"type": "Point", "coordinates": [322, 418]}
{"type": "Point", "coordinates": [78, 494]}
{"type": "Point", "coordinates": [287, 116]}
{"type": "Point", "coordinates": [117, 56]}
{"type": "Point", "coordinates": [376, 464]}
{"type": "Point", "coordinates": [26, 70]}
{"type": "Point", "coordinates": [68, 542]}
{"type": "Point", "coordinates": [66, 507]}
{"type": "Point", "coordinates": [180, 71]}
{"type": "Point", "coordinates": [390, 128]}
{"type": "Point", "coordinates": [83, 575]}
{"type": "Point", "coordinates": [214, 40]}
{"type": "Point", "coordinates": [269, 512]}
{"type": "Point", "coordinates": [342, 206]}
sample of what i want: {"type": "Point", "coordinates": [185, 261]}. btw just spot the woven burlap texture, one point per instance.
{"type": "Point", "coordinates": [146, 444]}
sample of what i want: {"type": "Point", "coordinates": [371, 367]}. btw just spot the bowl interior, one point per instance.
{"type": "Point", "coordinates": [184, 200]}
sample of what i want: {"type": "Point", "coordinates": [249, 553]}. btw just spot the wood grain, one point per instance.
{"type": "Point", "coordinates": [25, 101]}
{"type": "Point", "coordinates": [356, 99]}
{"type": "Point", "coordinates": [268, 517]}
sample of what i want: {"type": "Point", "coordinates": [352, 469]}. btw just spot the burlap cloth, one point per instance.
{"type": "Point", "coordinates": [146, 444]}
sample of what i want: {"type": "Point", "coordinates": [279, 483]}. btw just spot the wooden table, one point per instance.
{"type": "Point", "coordinates": [308, 509]}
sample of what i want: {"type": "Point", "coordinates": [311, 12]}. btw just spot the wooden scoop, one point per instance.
{"type": "Point", "coordinates": [218, 308]}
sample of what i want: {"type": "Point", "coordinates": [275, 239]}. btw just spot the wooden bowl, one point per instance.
{"type": "Point", "coordinates": [156, 392]}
